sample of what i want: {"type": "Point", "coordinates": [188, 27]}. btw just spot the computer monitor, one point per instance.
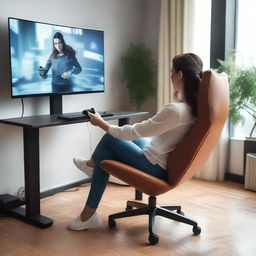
{"type": "Point", "coordinates": [48, 59]}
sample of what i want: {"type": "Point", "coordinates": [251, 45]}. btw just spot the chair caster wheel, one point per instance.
{"type": "Point", "coordinates": [128, 207]}
{"type": "Point", "coordinates": [196, 230]}
{"type": "Point", "coordinates": [180, 212]}
{"type": "Point", "coordinates": [153, 239]}
{"type": "Point", "coordinates": [111, 223]}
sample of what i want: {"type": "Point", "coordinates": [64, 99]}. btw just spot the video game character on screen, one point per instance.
{"type": "Point", "coordinates": [50, 59]}
{"type": "Point", "coordinates": [63, 63]}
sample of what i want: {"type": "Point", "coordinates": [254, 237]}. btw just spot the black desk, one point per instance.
{"type": "Point", "coordinates": [31, 125]}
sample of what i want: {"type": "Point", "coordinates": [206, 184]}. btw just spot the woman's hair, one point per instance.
{"type": "Point", "coordinates": [191, 66]}
{"type": "Point", "coordinates": [67, 50]}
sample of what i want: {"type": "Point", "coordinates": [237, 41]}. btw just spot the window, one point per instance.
{"type": "Point", "coordinates": [198, 29]}
{"type": "Point", "coordinates": [246, 33]}
{"type": "Point", "coordinates": [246, 48]}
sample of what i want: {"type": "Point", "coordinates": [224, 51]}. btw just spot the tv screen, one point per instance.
{"type": "Point", "coordinates": [51, 59]}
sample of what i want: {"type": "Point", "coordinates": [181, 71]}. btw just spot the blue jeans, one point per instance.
{"type": "Point", "coordinates": [128, 152]}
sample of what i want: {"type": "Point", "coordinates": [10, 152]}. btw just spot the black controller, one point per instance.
{"type": "Point", "coordinates": [91, 110]}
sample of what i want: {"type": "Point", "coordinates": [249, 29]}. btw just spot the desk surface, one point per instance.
{"type": "Point", "coordinates": [52, 120]}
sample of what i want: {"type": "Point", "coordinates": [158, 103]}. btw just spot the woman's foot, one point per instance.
{"type": "Point", "coordinates": [86, 166]}
{"type": "Point", "coordinates": [77, 224]}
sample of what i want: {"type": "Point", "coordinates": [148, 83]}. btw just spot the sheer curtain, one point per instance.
{"type": "Point", "coordinates": [217, 163]}
{"type": "Point", "coordinates": [181, 27]}
{"type": "Point", "coordinates": [171, 39]}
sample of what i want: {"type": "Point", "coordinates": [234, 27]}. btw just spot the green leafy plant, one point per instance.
{"type": "Point", "coordinates": [242, 81]}
{"type": "Point", "coordinates": [139, 73]}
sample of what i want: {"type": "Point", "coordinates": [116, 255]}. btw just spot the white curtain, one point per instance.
{"type": "Point", "coordinates": [176, 36]}
{"type": "Point", "coordinates": [214, 169]}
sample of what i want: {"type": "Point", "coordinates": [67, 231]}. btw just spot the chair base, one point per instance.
{"type": "Point", "coordinates": [151, 209]}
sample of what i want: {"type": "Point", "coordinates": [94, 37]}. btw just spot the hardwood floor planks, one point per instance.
{"type": "Point", "coordinates": [224, 210]}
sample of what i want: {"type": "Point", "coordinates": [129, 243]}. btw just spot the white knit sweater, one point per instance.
{"type": "Point", "coordinates": [167, 128]}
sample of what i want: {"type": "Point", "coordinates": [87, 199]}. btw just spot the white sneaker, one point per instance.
{"type": "Point", "coordinates": [93, 222]}
{"type": "Point", "coordinates": [81, 164]}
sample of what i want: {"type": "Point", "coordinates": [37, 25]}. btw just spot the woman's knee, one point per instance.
{"type": "Point", "coordinates": [102, 151]}
{"type": "Point", "coordinates": [108, 141]}
{"type": "Point", "coordinates": [103, 143]}
{"type": "Point", "coordinates": [106, 138]}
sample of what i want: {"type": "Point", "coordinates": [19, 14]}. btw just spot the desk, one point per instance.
{"type": "Point", "coordinates": [31, 126]}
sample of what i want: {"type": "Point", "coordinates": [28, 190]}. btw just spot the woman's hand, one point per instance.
{"type": "Point", "coordinates": [42, 72]}
{"type": "Point", "coordinates": [66, 75]}
{"type": "Point", "coordinates": [97, 120]}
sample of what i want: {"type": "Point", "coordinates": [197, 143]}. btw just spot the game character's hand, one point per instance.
{"type": "Point", "coordinates": [42, 72]}
{"type": "Point", "coordinates": [66, 75]}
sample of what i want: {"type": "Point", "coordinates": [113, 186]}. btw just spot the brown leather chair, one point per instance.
{"type": "Point", "coordinates": [188, 157]}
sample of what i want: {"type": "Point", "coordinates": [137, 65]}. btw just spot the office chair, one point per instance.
{"type": "Point", "coordinates": [187, 158]}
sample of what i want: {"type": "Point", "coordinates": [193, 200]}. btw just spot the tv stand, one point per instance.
{"type": "Point", "coordinates": [31, 125]}
{"type": "Point", "coordinates": [55, 104]}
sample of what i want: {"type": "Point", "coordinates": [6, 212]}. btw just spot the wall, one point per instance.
{"type": "Point", "coordinates": [150, 35]}
{"type": "Point", "coordinates": [123, 21]}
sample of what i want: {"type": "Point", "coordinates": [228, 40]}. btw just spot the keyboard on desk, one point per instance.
{"type": "Point", "coordinates": [81, 116]}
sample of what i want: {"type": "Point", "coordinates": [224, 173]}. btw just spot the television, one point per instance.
{"type": "Point", "coordinates": [54, 60]}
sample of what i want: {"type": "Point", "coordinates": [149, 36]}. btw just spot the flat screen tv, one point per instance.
{"type": "Point", "coordinates": [48, 59]}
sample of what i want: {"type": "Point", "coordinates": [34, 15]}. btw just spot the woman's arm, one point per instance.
{"type": "Point", "coordinates": [76, 69]}
{"type": "Point", "coordinates": [43, 71]}
{"type": "Point", "coordinates": [162, 122]}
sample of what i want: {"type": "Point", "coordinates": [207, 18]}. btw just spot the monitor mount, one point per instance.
{"type": "Point", "coordinates": [55, 104]}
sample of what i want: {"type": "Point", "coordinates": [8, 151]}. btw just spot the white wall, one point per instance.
{"type": "Point", "coordinates": [151, 33]}
{"type": "Point", "coordinates": [123, 21]}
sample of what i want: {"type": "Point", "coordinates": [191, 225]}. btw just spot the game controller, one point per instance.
{"type": "Point", "coordinates": [91, 110]}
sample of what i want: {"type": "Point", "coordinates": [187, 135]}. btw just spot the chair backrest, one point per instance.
{"type": "Point", "coordinates": [191, 154]}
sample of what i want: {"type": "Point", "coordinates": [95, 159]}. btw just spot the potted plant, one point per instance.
{"type": "Point", "coordinates": [139, 73]}
{"type": "Point", "coordinates": [242, 82]}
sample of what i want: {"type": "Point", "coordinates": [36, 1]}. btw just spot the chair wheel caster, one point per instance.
{"type": "Point", "coordinates": [153, 239]}
{"type": "Point", "coordinates": [128, 207]}
{"type": "Point", "coordinates": [180, 212]}
{"type": "Point", "coordinates": [111, 223]}
{"type": "Point", "coordinates": [196, 230]}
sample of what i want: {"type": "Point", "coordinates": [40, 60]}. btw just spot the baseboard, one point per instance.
{"type": "Point", "coordinates": [53, 191]}
{"type": "Point", "coordinates": [234, 177]}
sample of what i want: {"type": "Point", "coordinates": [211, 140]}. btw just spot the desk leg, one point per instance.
{"type": "Point", "coordinates": [32, 182]}
{"type": "Point", "coordinates": [121, 122]}
{"type": "Point", "coordinates": [31, 168]}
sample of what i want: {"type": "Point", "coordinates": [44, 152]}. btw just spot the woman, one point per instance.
{"type": "Point", "coordinates": [167, 128]}
{"type": "Point", "coordinates": [63, 63]}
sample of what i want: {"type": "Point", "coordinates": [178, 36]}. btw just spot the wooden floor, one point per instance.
{"type": "Point", "coordinates": [225, 211]}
